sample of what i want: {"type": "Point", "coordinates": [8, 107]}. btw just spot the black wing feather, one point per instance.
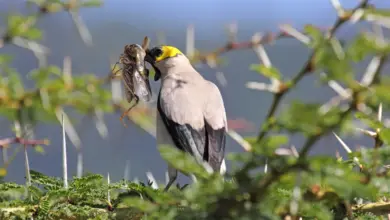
{"type": "Point", "coordinates": [209, 142]}
{"type": "Point", "coordinates": [216, 140]}
{"type": "Point", "coordinates": [184, 136]}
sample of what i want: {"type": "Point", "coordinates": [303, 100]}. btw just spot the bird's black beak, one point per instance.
{"type": "Point", "coordinates": [150, 58]}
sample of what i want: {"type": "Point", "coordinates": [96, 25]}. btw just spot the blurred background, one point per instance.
{"type": "Point", "coordinates": [120, 22]}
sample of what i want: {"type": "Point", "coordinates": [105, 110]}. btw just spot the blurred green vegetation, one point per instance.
{"type": "Point", "coordinates": [294, 185]}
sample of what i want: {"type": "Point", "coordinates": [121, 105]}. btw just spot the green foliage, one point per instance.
{"type": "Point", "coordinates": [294, 186]}
{"type": "Point", "coordinates": [269, 72]}
{"type": "Point", "coordinates": [86, 197]}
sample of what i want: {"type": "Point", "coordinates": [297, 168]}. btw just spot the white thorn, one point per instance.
{"type": "Point", "coordinates": [232, 30]}
{"type": "Point", "coordinates": [346, 148]}
{"type": "Point", "coordinates": [64, 156]}
{"type": "Point", "coordinates": [344, 93]}
{"type": "Point", "coordinates": [338, 49]}
{"type": "Point", "coordinates": [116, 91]}
{"type": "Point", "coordinates": [223, 168]}
{"type": "Point", "coordinates": [367, 132]}
{"type": "Point", "coordinates": [368, 76]}
{"type": "Point", "coordinates": [262, 54]}
{"type": "Point", "coordinates": [294, 151]}
{"type": "Point", "coordinates": [283, 151]}
{"type": "Point", "coordinates": [27, 166]}
{"type": "Point", "coordinates": [79, 164]}
{"type": "Point", "coordinates": [82, 28]}
{"type": "Point", "coordinates": [295, 33]}
{"type": "Point", "coordinates": [380, 112]}
{"type": "Point", "coordinates": [100, 125]}
{"type": "Point", "coordinates": [69, 129]}
{"type": "Point", "coordinates": [378, 19]}
{"type": "Point", "coordinates": [221, 78]}
{"type": "Point", "coordinates": [334, 101]}
{"type": "Point", "coordinates": [266, 165]}
{"type": "Point", "coordinates": [166, 177]}
{"type": "Point", "coordinates": [108, 191]}
{"type": "Point", "coordinates": [5, 155]}
{"type": "Point", "coordinates": [126, 175]}
{"type": "Point", "coordinates": [356, 16]}
{"type": "Point", "coordinates": [190, 41]}
{"type": "Point", "coordinates": [67, 70]}
{"type": "Point", "coordinates": [193, 178]}
{"type": "Point", "coordinates": [152, 179]}
{"type": "Point", "coordinates": [240, 140]}
{"type": "Point", "coordinates": [44, 98]}
{"type": "Point", "coordinates": [379, 33]}
{"type": "Point", "coordinates": [262, 86]}
{"type": "Point", "coordinates": [337, 6]}
{"type": "Point", "coordinates": [343, 144]}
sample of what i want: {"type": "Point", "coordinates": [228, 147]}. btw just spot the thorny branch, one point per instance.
{"type": "Point", "coordinates": [7, 141]}
{"type": "Point", "coordinates": [257, 192]}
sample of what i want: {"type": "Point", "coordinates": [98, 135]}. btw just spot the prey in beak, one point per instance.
{"type": "Point", "coordinates": [135, 75]}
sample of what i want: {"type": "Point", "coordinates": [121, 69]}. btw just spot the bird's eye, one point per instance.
{"type": "Point", "coordinates": [157, 52]}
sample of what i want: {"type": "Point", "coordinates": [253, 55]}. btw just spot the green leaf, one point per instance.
{"type": "Point", "coordinates": [15, 83]}
{"type": "Point", "coordinates": [307, 118]}
{"type": "Point", "coordinates": [3, 171]}
{"type": "Point", "coordinates": [382, 92]}
{"type": "Point", "coordinates": [369, 121]}
{"type": "Point", "coordinates": [336, 68]}
{"type": "Point", "coordinates": [50, 183]}
{"type": "Point", "coordinates": [182, 161]}
{"type": "Point", "coordinates": [365, 45]}
{"type": "Point", "coordinates": [33, 34]}
{"type": "Point", "coordinates": [14, 20]}
{"type": "Point", "coordinates": [269, 72]}
{"type": "Point", "coordinates": [39, 149]}
{"type": "Point", "coordinates": [140, 204]}
{"type": "Point", "coordinates": [317, 37]}
{"type": "Point", "coordinates": [384, 135]}
{"type": "Point", "coordinates": [377, 11]}
{"type": "Point", "coordinates": [5, 59]}
{"type": "Point", "coordinates": [19, 25]}
{"type": "Point", "coordinates": [269, 145]}
{"type": "Point", "coordinates": [44, 76]}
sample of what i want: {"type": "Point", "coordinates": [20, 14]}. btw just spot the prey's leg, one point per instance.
{"type": "Point", "coordinates": [128, 110]}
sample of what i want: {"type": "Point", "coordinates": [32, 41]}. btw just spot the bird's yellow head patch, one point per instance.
{"type": "Point", "coordinates": [167, 52]}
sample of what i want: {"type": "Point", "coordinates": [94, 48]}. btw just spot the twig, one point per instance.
{"type": "Point", "coordinates": [16, 140]}
{"type": "Point", "coordinates": [377, 208]}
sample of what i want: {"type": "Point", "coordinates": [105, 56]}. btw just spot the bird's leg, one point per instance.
{"type": "Point", "coordinates": [128, 110]}
{"type": "Point", "coordinates": [172, 174]}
